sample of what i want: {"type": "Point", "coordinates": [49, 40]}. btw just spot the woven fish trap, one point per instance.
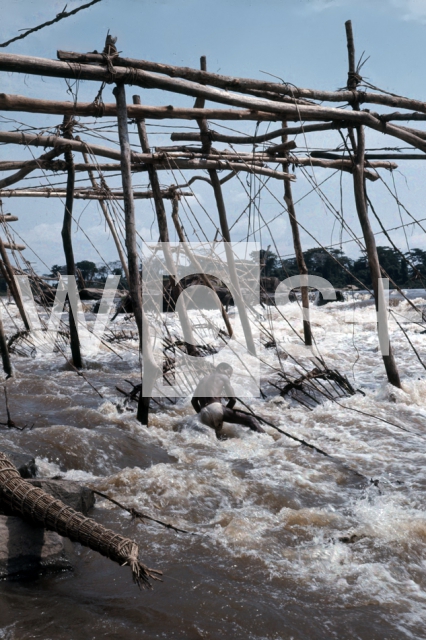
{"type": "Point", "coordinates": [32, 503]}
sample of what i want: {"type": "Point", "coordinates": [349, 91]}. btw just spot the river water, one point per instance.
{"type": "Point", "coordinates": [268, 562]}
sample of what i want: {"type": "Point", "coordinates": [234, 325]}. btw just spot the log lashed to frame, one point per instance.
{"type": "Point", "coordinates": [159, 159]}
{"type": "Point", "coordinates": [33, 504]}
{"type": "Point", "coordinates": [246, 84]}
{"type": "Point", "coordinates": [361, 206]}
{"type": "Point", "coordinates": [12, 102]}
{"type": "Point", "coordinates": [148, 80]}
{"type": "Point", "coordinates": [66, 234]}
{"type": "Point", "coordinates": [300, 260]}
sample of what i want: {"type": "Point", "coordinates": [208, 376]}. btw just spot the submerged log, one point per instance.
{"type": "Point", "coordinates": [35, 505]}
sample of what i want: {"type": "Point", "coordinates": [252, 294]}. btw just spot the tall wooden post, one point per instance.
{"type": "Point", "coordinates": [164, 233]}
{"type": "Point", "coordinates": [220, 203]}
{"type": "Point", "coordinates": [362, 210]}
{"type": "Point", "coordinates": [7, 367]}
{"type": "Point", "coordinates": [300, 260]}
{"type": "Point", "coordinates": [135, 290]}
{"type": "Point", "coordinates": [67, 242]}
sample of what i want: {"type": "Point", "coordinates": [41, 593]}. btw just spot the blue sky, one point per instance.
{"type": "Point", "coordinates": [300, 41]}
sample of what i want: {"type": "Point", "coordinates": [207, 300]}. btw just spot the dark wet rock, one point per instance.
{"type": "Point", "coordinates": [27, 548]}
{"type": "Point", "coordinates": [24, 462]}
{"type": "Point", "coordinates": [90, 294]}
{"type": "Point", "coordinates": [73, 494]}
{"type": "Point", "coordinates": [320, 300]}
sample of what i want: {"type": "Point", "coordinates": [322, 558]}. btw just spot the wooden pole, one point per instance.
{"type": "Point", "coordinates": [9, 276]}
{"type": "Point", "coordinates": [362, 210]}
{"type": "Point", "coordinates": [66, 234]}
{"type": "Point", "coordinates": [222, 81]}
{"type": "Point", "coordinates": [149, 80]}
{"type": "Point", "coordinates": [164, 235]}
{"type": "Point", "coordinates": [135, 289]}
{"type": "Point", "coordinates": [12, 102]}
{"type": "Point", "coordinates": [109, 222]}
{"type": "Point", "coordinates": [301, 264]}
{"type": "Point", "coordinates": [220, 203]}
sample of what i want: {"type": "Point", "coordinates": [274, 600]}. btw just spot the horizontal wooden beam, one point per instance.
{"type": "Point", "coordinates": [14, 247]}
{"type": "Point", "coordinates": [221, 137]}
{"type": "Point", "coordinates": [146, 79]}
{"type": "Point", "coordinates": [245, 84]}
{"type": "Point", "coordinates": [84, 194]}
{"type": "Point", "coordinates": [159, 160]}
{"type": "Point", "coordinates": [372, 156]}
{"type": "Point", "coordinates": [10, 102]}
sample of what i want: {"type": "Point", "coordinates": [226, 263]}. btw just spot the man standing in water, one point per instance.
{"type": "Point", "coordinates": [207, 401]}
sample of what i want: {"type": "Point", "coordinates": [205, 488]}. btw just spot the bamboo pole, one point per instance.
{"type": "Point", "coordinates": [66, 234]}
{"type": "Point", "coordinates": [300, 260]}
{"type": "Point", "coordinates": [12, 102]}
{"type": "Point", "coordinates": [361, 205]}
{"type": "Point", "coordinates": [164, 236]}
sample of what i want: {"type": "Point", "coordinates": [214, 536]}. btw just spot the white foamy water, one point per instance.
{"type": "Point", "coordinates": [268, 562]}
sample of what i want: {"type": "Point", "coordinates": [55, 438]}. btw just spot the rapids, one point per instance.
{"type": "Point", "coordinates": [268, 561]}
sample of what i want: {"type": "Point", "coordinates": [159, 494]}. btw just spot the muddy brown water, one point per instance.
{"type": "Point", "coordinates": [268, 562]}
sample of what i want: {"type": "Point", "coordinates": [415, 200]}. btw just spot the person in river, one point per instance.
{"type": "Point", "coordinates": [207, 401]}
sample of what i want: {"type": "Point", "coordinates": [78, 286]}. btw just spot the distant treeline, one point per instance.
{"type": "Point", "coordinates": [407, 270]}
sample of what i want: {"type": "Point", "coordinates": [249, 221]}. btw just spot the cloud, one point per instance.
{"type": "Point", "coordinates": [411, 9]}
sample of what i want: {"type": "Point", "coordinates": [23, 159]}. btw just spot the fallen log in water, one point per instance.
{"type": "Point", "coordinates": [33, 504]}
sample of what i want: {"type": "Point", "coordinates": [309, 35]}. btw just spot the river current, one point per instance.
{"type": "Point", "coordinates": [271, 560]}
